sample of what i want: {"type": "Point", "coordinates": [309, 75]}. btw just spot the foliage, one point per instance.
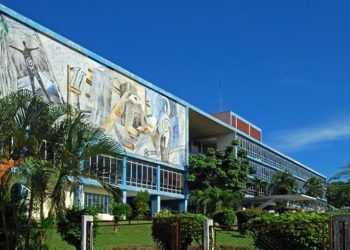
{"type": "Point", "coordinates": [213, 200]}
{"type": "Point", "coordinates": [69, 225]}
{"type": "Point", "coordinates": [47, 143]}
{"type": "Point", "coordinates": [291, 230]}
{"type": "Point", "coordinates": [221, 169]}
{"type": "Point", "coordinates": [226, 217]}
{"type": "Point", "coordinates": [218, 179]}
{"type": "Point", "coordinates": [190, 227]}
{"type": "Point", "coordinates": [314, 187]}
{"type": "Point", "coordinates": [142, 204]}
{"type": "Point", "coordinates": [338, 194]}
{"type": "Point", "coordinates": [244, 216]}
{"type": "Point", "coordinates": [283, 183]}
{"type": "Point", "coordinates": [120, 211]}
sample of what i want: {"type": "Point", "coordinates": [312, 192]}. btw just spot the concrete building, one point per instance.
{"type": "Point", "coordinates": [158, 130]}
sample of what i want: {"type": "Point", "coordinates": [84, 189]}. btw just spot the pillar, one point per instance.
{"type": "Point", "coordinates": [124, 196]}
{"type": "Point", "coordinates": [183, 206]}
{"type": "Point", "coordinates": [155, 204]}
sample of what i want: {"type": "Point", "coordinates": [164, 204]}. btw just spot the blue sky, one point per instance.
{"type": "Point", "coordinates": [283, 65]}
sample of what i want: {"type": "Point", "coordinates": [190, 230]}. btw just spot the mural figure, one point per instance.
{"type": "Point", "coordinates": [31, 67]}
{"type": "Point", "coordinates": [8, 73]}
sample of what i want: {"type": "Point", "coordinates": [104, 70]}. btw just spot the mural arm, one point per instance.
{"type": "Point", "coordinates": [16, 48]}
{"type": "Point", "coordinates": [116, 112]}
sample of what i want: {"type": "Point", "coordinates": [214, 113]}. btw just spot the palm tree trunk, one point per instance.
{"type": "Point", "coordinates": [4, 223]}
{"type": "Point", "coordinates": [18, 244]}
{"type": "Point", "coordinates": [29, 222]}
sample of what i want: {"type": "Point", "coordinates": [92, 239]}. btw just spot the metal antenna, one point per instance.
{"type": "Point", "coordinates": [220, 98]}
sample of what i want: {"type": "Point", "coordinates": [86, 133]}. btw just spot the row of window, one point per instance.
{"type": "Point", "coordinates": [270, 157]}
{"type": "Point", "coordinates": [138, 174]}
{"type": "Point", "coordinates": [99, 201]}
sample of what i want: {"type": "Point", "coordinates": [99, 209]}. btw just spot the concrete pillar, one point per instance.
{"type": "Point", "coordinates": [124, 174]}
{"type": "Point", "coordinates": [208, 234]}
{"type": "Point", "coordinates": [155, 204]}
{"type": "Point", "coordinates": [124, 196]}
{"type": "Point", "coordinates": [158, 178]}
{"type": "Point", "coordinates": [183, 206]}
{"type": "Point", "coordinates": [84, 231]}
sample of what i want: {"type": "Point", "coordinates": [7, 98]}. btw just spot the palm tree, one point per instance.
{"type": "Point", "coordinates": [50, 143]}
{"type": "Point", "coordinates": [283, 183]}
{"type": "Point", "coordinates": [314, 187]}
{"type": "Point", "coordinates": [212, 200]}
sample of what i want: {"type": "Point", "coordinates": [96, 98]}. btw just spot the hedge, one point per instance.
{"type": "Point", "coordinates": [190, 227]}
{"type": "Point", "coordinates": [243, 216]}
{"type": "Point", "coordinates": [302, 230]}
{"type": "Point", "coordinates": [226, 217]}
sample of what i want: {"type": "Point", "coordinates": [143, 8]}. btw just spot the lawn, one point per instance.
{"type": "Point", "coordinates": [138, 234]}
{"type": "Point", "coordinates": [233, 240]}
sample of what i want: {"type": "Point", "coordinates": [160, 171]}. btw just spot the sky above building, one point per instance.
{"type": "Point", "coordinates": [282, 65]}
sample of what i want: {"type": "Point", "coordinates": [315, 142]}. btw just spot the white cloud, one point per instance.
{"type": "Point", "coordinates": [301, 138]}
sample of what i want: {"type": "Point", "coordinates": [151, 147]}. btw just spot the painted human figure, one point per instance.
{"type": "Point", "coordinates": [31, 67]}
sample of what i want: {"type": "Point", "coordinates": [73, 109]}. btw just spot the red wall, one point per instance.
{"type": "Point", "coordinates": [243, 126]}
{"type": "Point", "coordinates": [256, 134]}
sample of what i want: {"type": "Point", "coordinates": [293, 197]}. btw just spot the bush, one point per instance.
{"type": "Point", "coordinates": [291, 230]}
{"type": "Point", "coordinates": [190, 227]}
{"type": "Point", "coordinates": [120, 211]}
{"type": "Point", "coordinates": [243, 216]}
{"type": "Point", "coordinates": [142, 204]}
{"type": "Point", "coordinates": [226, 217]}
{"type": "Point", "coordinates": [69, 225]}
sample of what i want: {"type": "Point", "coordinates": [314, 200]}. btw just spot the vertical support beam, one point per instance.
{"type": "Point", "coordinates": [124, 196]}
{"type": "Point", "coordinates": [84, 230]}
{"type": "Point", "coordinates": [183, 206]}
{"type": "Point", "coordinates": [208, 235]}
{"type": "Point", "coordinates": [158, 178]}
{"type": "Point", "coordinates": [124, 174]}
{"type": "Point", "coordinates": [155, 204]}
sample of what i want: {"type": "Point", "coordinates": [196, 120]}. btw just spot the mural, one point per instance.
{"type": "Point", "coordinates": [145, 122]}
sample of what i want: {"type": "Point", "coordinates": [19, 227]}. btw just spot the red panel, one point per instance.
{"type": "Point", "coordinates": [243, 126]}
{"type": "Point", "coordinates": [233, 121]}
{"type": "Point", "coordinates": [225, 117]}
{"type": "Point", "coordinates": [256, 134]}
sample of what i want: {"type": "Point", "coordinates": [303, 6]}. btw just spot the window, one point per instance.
{"type": "Point", "coordinates": [99, 201]}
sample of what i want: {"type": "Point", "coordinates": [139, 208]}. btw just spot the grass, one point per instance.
{"type": "Point", "coordinates": [139, 234]}
{"type": "Point", "coordinates": [233, 240]}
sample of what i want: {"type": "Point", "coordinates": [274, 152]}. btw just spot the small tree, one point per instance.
{"type": "Point", "coordinates": [120, 211]}
{"type": "Point", "coordinates": [142, 204]}
{"type": "Point", "coordinates": [283, 183]}
{"type": "Point", "coordinates": [314, 187]}
{"type": "Point", "coordinates": [69, 225]}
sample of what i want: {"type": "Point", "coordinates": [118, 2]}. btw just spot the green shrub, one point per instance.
{"type": "Point", "coordinates": [226, 217]}
{"type": "Point", "coordinates": [303, 230]}
{"type": "Point", "coordinates": [243, 216]}
{"type": "Point", "coordinates": [142, 204]}
{"type": "Point", "coordinates": [69, 225]}
{"type": "Point", "coordinates": [190, 227]}
{"type": "Point", "coordinates": [120, 211]}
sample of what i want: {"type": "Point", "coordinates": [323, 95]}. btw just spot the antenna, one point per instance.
{"type": "Point", "coordinates": [220, 98]}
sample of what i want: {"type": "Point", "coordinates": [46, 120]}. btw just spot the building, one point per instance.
{"type": "Point", "coordinates": [158, 130]}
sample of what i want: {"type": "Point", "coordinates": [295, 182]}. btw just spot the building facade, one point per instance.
{"type": "Point", "coordinates": [158, 130]}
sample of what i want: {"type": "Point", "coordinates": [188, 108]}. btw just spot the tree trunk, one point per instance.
{"type": "Point", "coordinates": [18, 244]}
{"type": "Point", "coordinates": [42, 232]}
{"type": "Point", "coordinates": [4, 223]}
{"type": "Point", "coordinates": [29, 222]}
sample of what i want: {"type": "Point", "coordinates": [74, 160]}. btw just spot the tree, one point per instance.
{"type": "Point", "coordinates": [221, 169]}
{"type": "Point", "coordinates": [142, 204]}
{"type": "Point", "coordinates": [213, 200]}
{"type": "Point", "coordinates": [283, 183]}
{"type": "Point", "coordinates": [338, 188]}
{"type": "Point", "coordinates": [218, 179]}
{"type": "Point", "coordinates": [338, 194]}
{"type": "Point", "coordinates": [48, 143]}
{"type": "Point", "coordinates": [120, 211]}
{"type": "Point", "coordinates": [314, 187]}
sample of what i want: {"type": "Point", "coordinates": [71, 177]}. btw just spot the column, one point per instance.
{"type": "Point", "coordinates": [183, 206]}
{"type": "Point", "coordinates": [155, 204]}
